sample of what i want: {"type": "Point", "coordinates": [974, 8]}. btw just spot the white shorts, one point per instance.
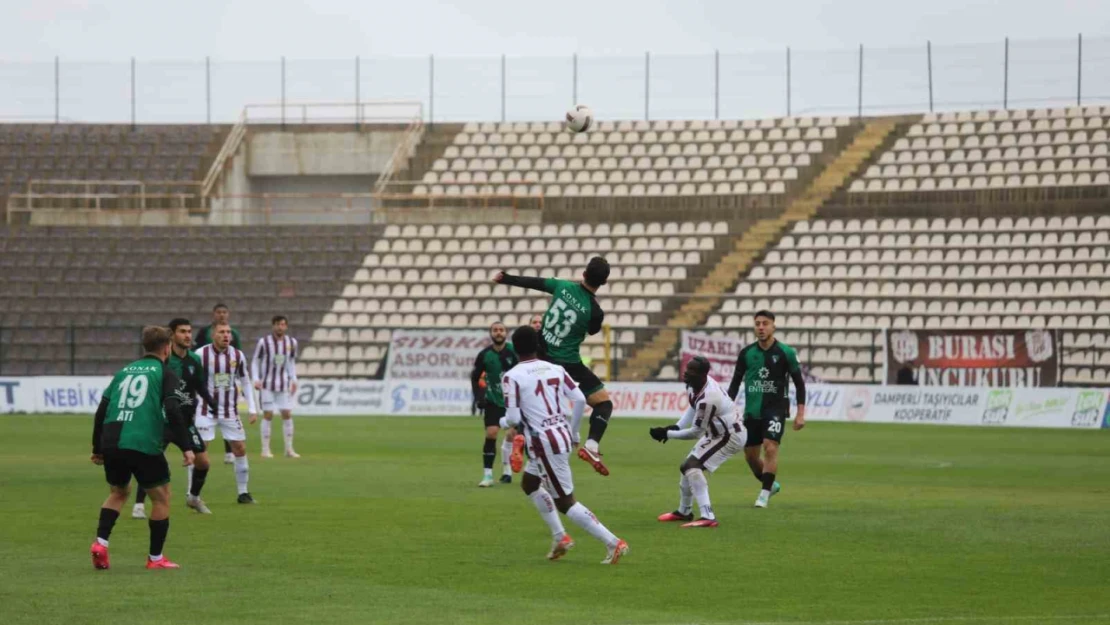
{"type": "Point", "coordinates": [230, 429]}
{"type": "Point", "coordinates": [712, 452]}
{"type": "Point", "coordinates": [276, 400]}
{"type": "Point", "coordinates": [552, 469]}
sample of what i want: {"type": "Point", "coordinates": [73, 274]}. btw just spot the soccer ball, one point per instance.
{"type": "Point", "coordinates": [579, 118]}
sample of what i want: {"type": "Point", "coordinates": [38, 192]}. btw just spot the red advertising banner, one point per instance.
{"type": "Point", "coordinates": [1011, 358]}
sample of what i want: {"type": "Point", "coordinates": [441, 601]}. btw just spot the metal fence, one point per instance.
{"type": "Point", "coordinates": [769, 83]}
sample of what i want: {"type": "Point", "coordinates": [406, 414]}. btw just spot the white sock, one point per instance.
{"type": "Point", "coordinates": [765, 494]}
{"type": "Point", "coordinates": [506, 451]}
{"type": "Point", "coordinates": [242, 473]}
{"type": "Point", "coordinates": [189, 487]}
{"type": "Point", "coordinates": [546, 507]}
{"type": "Point", "coordinates": [156, 558]}
{"type": "Point", "coordinates": [585, 519]}
{"type": "Point", "coordinates": [700, 486]}
{"type": "Point", "coordinates": [685, 496]}
{"type": "Point", "coordinates": [591, 444]}
{"type": "Point", "coordinates": [487, 473]}
{"type": "Point", "coordinates": [287, 431]}
{"type": "Point", "coordinates": [103, 543]}
{"type": "Point", "coordinates": [266, 425]}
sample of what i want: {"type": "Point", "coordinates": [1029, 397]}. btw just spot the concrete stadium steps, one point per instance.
{"type": "Point", "coordinates": [752, 244]}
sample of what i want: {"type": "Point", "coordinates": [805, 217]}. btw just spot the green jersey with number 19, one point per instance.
{"type": "Point", "coordinates": [572, 314]}
{"type": "Point", "coordinates": [135, 419]}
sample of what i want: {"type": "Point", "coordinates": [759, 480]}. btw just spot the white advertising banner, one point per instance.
{"type": "Point", "coordinates": [996, 407]}
{"type": "Point", "coordinates": [434, 354]}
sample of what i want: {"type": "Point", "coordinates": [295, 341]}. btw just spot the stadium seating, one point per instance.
{"type": "Point", "coordinates": [841, 279]}
{"type": "Point", "coordinates": [75, 298]}
{"type": "Point", "coordinates": [1004, 149]}
{"type": "Point", "coordinates": [439, 277]}
{"type": "Point", "coordinates": [630, 159]}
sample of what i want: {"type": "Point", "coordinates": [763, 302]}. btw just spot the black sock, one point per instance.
{"type": "Point", "coordinates": [140, 495]}
{"type": "Point", "coordinates": [758, 475]}
{"type": "Point", "coordinates": [599, 420]}
{"type": "Point", "coordinates": [107, 522]}
{"type": "Point", "coordinates": [227, 447]}
{"type": "Point", "coordinates": [158, 531]}
{"type": "Point", "coordinates": [488, 453]}
{"type": "Point", "coordinates": [199, 475]}
{"type": "Point", "coordinates": [768, 480]}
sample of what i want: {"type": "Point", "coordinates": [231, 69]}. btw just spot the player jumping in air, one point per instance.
{"type": "Point", "coordinates": [187, 367]}
{"type": "Point", "coordinates": [493, 361]}
{"type": "Point", "coordinates": [274, 369]}
{"type": "Point", "coordinates": [572, 314]}
{"type": "Point", "coordinates": [763, 369]}
{"type": "Point", "coordinates": [536, 395]}
{"type": "Point", "coordinates": [712, 418]}
{"type": "Point", "coordinates": [128, 431]}
{"type": "Point", "coordinates": [226, 370]}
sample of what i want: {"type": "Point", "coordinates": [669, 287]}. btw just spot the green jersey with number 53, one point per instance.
{"type": "Point", "coordinates": [572, 314]}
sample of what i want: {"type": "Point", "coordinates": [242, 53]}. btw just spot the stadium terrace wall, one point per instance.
{"type": "Point", "coordinates": [992, 407]}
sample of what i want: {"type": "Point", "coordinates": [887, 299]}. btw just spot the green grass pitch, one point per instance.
{"type": "Point", "coordinates": [381, 522]}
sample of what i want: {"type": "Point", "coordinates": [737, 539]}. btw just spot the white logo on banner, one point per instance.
{"type": "Point", "coordinates": [903, 346]}
{"type": "Point", "coordinates": [1039, 345]}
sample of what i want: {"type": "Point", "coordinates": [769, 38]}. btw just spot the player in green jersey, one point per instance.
{"type": "Point", "coordinates": [221, 314]}
{"type": "Point", "coordinates": [128, 432]}
{"type": "Point", "coordinates": [493, 361]}
{"type": "Point", "coordinates": [763, 369]}
{"type": "Point", "coordinates": [572, 314]}
{"type": "Point", "coordinates": [187, 367]}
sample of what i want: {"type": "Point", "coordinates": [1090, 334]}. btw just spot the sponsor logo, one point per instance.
{"type": "Point", "coordinates": [762, 385]}
{"type": "Point", "coordinates": [7, 394]}
{"type": "Point", "coordinates": [856, 404]}
{"type": "Point", "coordinates": [398, 397]}
{"type": "Point", "coordinates": [1038, 343]}
{"type": "Point", "coordinates": [998, 406]}
{"type": "Point", "coordinates": [1086, 409]}
{"type": "Point", "coordinates": [903, 346]}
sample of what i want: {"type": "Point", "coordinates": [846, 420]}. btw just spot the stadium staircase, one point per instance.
{"type": "Point", "coordinates": [750, 246]}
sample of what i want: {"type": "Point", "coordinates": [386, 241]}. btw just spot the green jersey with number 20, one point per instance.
{"type": "Point", "coordinates": [572, 314]}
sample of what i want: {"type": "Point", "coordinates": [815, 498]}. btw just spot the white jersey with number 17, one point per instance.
{"type": "Point", "coordinates": [536, 394]}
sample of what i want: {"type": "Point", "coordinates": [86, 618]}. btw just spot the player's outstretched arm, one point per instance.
{"type": "Point", "coordinates": [692, 424]}
{"type": "Point", "coordinates": [536, 284]}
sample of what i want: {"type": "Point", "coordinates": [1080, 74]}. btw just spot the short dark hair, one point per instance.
{"type": "Point", "coordinates": [219, 306]}
{"type": "Point", "coordinates": [496, 323]}
{"type": "Point", "coordinates": [597, 271]}
{"type": "Point", "coordinates": [178, 322]}
{"type": "Point", "coordinates": [155, 338]}
{"type": "Point", "coordinates": [765, 313]}
{"type": "Point", "coordinates": [278, 318]}
{"type": "Point", "coordinates": [699, 364]}
{"type": "Point", "coordinates": [525, 341]}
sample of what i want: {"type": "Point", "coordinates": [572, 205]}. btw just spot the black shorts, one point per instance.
{"type": "Point", "coordinates": [196, 443]}
{"type": "Point", "coordinates": [492, 415]}
{"type": "Point", "coordinates": [584, 376]}
{"type": "Point", "coordinates": [149, 471]}
{"type": "Point", "coordinates": [769, 428]}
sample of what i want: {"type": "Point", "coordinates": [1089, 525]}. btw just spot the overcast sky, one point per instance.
{"type": "Point", "coordinates": [245, 39]}
{"type": "Point", "coordinates": [255, 29]}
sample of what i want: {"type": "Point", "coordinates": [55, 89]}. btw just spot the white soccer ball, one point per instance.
{"type": "Point", "coordinates": [580, 118]}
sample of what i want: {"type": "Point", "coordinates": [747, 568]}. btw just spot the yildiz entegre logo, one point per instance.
{"type": "Point", "coordinates": [998, 406]}
{"type": "Point", "coordinates": [762, 385]}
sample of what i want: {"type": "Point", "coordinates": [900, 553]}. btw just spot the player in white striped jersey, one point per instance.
{"type": "Point", "coordinates": [226, 368]}
{"type": "Point", "coordinates": [274, 369]}
{"type": "Point", "coordinates": [712, 417]}
{"type": "Point", "coordinates": [536, 394]}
